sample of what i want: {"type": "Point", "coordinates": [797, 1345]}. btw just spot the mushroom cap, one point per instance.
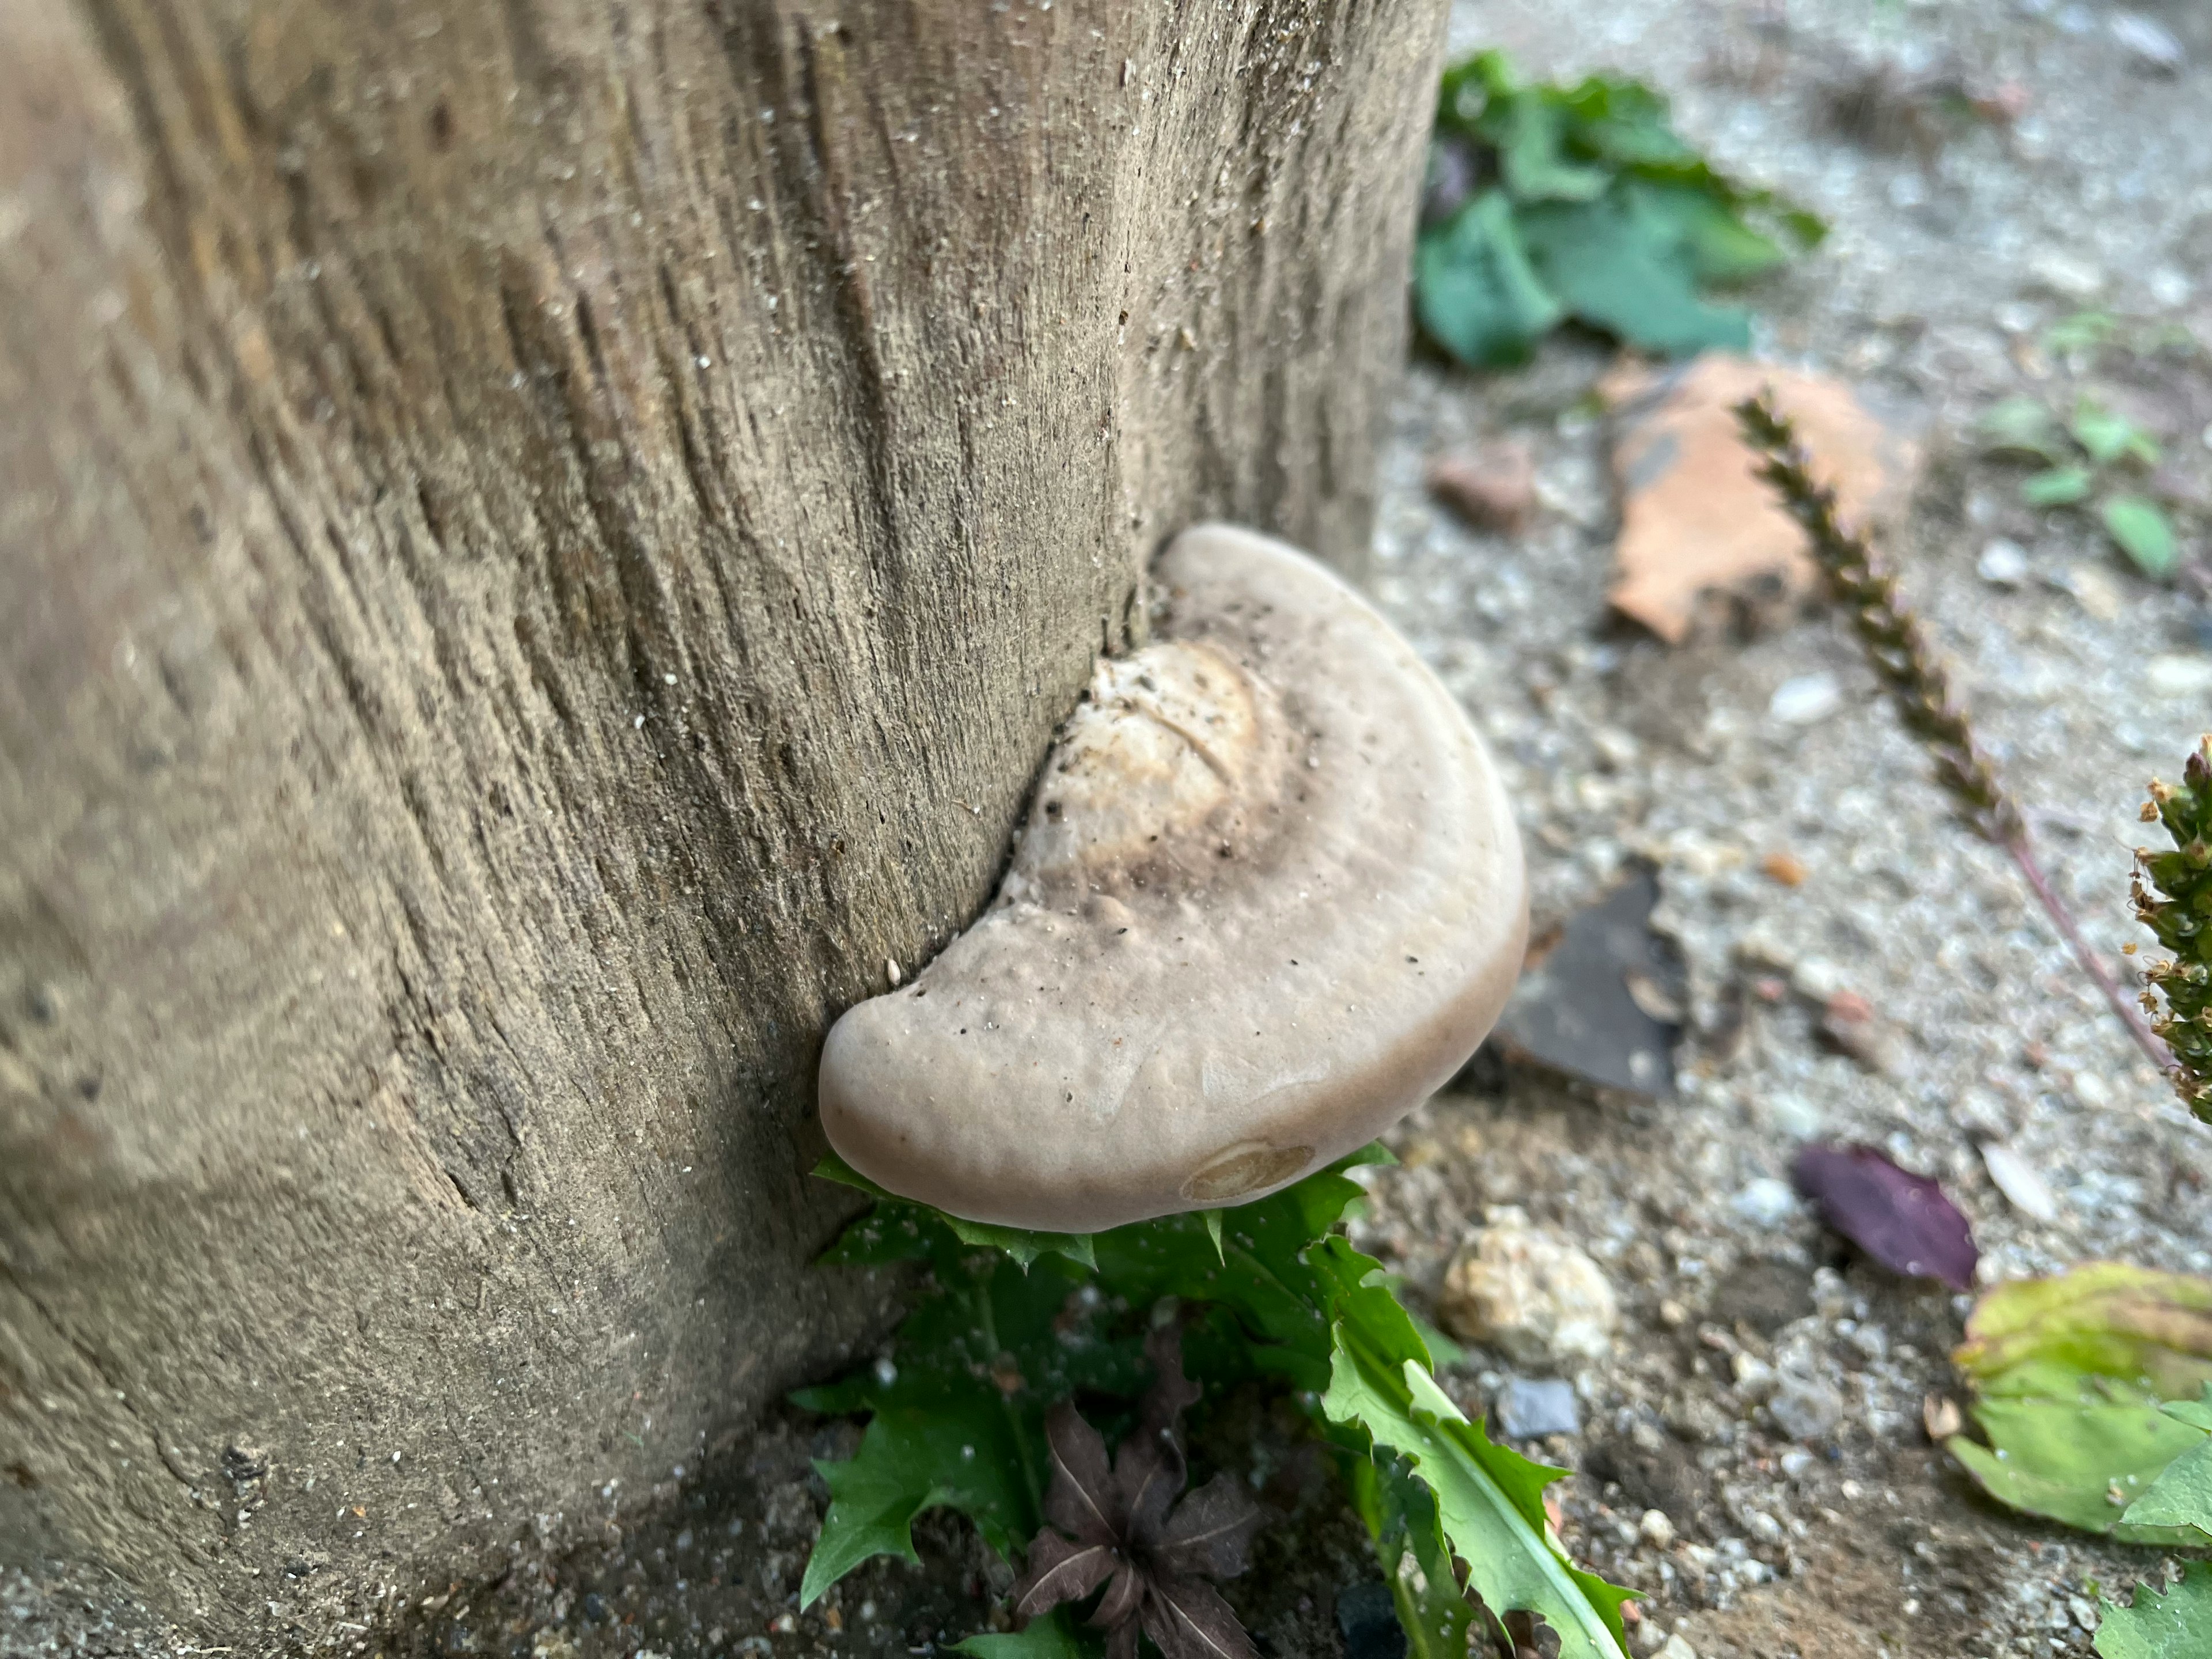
{"type": "Point", "coordinates": [1269, 897]}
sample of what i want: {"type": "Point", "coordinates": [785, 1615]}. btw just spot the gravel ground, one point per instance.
{"type": "Point", "coordinates": [1954, 247]}
{"type": "Point", "coordinates": [1812, 1520]}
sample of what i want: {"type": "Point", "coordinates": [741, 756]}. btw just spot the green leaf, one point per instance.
{"type": "Point", "coordinates": [2139, 529]}
{"type": "Point", "coordinates": [2024, 426]}
{"type": "Point", "coordinates": [1402, 1516]}
{"type": "Point", "coordinates": [1530, 133]}
{"type": "Point", "coordinates": [2177, 1624]}
{"type": "Point", "coordinates": [958, 1409]}
{"type": "Point", "coordinates": [1489, 1497]}
{"type": "Point", "coordinates": [2181, 1496]}
{"type": "Point", "coordinates": [1720, 246]}
{"type": "Point", "coordinates": [2071, 1373]}
{"type": "Point", "coordinates": [1023, 1246]}
{"type": "Point", "coordinates": [1052, 1635]}
{"type": "Point", "coordinates": [2109, 437]}
{"type": "Point", "coordinates": [1474, 291]}
{"type": "Point", "coordinates": [2102, 1328]}
{"type": "Point", "coordinates": [1624, 264]}
{"type": "Point", "coordinates": [2083, 1464]}
{"type": "Point", "coordinates": [2084, 330]}
{"type": "Point", "coordinates": [2060, 486]}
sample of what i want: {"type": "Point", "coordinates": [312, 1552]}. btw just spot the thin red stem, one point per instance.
{"type": "Point", "coordinates": [2131, 1015]}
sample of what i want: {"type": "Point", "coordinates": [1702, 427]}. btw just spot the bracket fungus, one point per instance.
{"type": "Point", "coordinates": [1269, 896]}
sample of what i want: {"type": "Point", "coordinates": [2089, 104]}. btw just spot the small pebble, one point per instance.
{"type": "Point", "coordinates": [1528, 1409]}
{"type": "Point", "coordinates": [2094, 590]}
{"type": "Point", "coordinates": [1765, 1202]}
{"type": "Point", "coordinates": [2150, 43]}
{"type": "Point", "coordinates": [2177, 676]}
{"type": "Point", "coordinates": [1805, 698]}
{"type": "Point", "coordinates": [1657, 1529]}
{"type": "Point", "coordinates": [1805, 1407]}
{"type": "Point", "coordinates": [1367, 1619]}
{"type": "Point", "coordinates": [2016, 1178]}
{"type": "Point", "coordinates": [2066, 275]}
{"type": "Point", "coordinates": [1529, 1292]}
{"type": "Point", "coordinates": [2003, 563]}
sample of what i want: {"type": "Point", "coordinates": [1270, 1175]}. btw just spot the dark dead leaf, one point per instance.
{"type": "Point", "coordinates": [1124, 1528]}
{"type": "Point", "coordinates": [1900, 1219]}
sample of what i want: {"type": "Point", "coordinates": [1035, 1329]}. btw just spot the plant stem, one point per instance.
{"type": "Point", "coordinates": [1904, 659]}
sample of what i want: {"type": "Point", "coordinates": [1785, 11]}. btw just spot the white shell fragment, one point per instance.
{"type": "Point", "coordinates": [1269, 897]}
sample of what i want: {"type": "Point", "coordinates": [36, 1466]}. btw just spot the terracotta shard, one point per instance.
{"type": "Point", "coordinates": [1695, 520]}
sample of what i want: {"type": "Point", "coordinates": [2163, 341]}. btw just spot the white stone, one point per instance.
{"type": "Point", "coordinates": [1529, 1292]}
{"type": "Point", "coordinates": [2016, 1178]}
{"type": "Point", "coordinates": [1805, 698]}
{"type": "Point", "coordinates": [1765, 1201]}
{"type": "Point", "coordinates": [2175, 675]}
{"type": "Point", "coordinates": [2003, 563]}
{"type": "Point", "coordinates": [2067, 274]}
{"type": "Point", "coordinates": [1676, 1648]}
{"type": "Point", "coordinates": [2094, 590]}
{"type": "Point", "coordinates": [1657, 1529]}
{"type": "Point", "coordinates": [2150, 43]}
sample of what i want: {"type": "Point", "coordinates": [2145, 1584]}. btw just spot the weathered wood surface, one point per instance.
{"type": "Point", "coordinates": [540, 544]}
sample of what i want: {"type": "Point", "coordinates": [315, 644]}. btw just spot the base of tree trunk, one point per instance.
{"type": "Point", "coordinates": [540, 548]}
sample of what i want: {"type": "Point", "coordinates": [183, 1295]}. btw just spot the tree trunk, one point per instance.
{"type": "Point", "coordinates": [543, 540]}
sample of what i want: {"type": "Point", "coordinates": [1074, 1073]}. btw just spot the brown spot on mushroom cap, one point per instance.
{"type": "Point", "coordinates": [1270, 896]}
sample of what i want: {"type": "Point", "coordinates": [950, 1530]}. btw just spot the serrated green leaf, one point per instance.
{"type": "Point", "coordinates": [1053, 1635]}
{"type": "Point", "coordinates": [958, 1410]}
{"type": "Point", "coordinates": [1621, 265]}
{"type": "Point", "coordinates": [958, 1407]}
{"type": "Point", "coordinates": [1489, 1498]}
{"type": "Point", "coordinates": [1474, 291]}
{"type": "Point", "coordinates": [2182, 1495]}
{"type": "Point", "coordinates": [2139, 529]}
{"type": "Point", "coordinates": [1602, 212]}
{"type": "Point", "coordinates": [1022, 1245]}
{"type": "Point", "coordinates": [1400, 1514]}
{"type": "Point", "coordinates": [2177, 1624]}
{"type": "Point", "coordinates": [2058, 486]}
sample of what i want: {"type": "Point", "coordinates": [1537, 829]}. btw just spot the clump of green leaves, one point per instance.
{"type": "Point", "coordinates": [2094, 460]}
{"type": "Point", "coordinates": [2173, 899]}
{"type": "Point", "coordinates": [1010, 1326]}
{"type": "Point", "coordinates": [1547, 202]}
{"type": "Point", "coordinates": [2093, 1389]}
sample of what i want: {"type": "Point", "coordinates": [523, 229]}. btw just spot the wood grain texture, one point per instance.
{"type": "Point", "coordinates": [541, 544]}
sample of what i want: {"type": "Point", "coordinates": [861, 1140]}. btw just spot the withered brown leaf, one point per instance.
{"type": "Point", "coordinates": [1122, 1526]}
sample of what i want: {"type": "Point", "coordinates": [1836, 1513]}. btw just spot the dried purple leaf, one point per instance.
{"type": "Point", "coordinates": [1130, 1534]}
{"type": "Point", "coordinates": [1083, 1500]}
{"type": "Point", "coordinates": [1187, 1619]}
{"type": "Point", "coordinates": [1210, 1531]}
{"type": "Point", "coordinates": [1060, 1571]}
{"type": "Point", "coordinates": [1900, 1219]}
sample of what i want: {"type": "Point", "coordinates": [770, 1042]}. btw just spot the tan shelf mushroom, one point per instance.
{"type": "Point", "coordinates": [1270, 896]}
